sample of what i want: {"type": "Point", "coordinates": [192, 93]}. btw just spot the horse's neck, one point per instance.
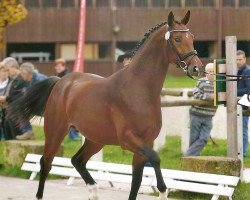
{"type": "Point", "coordinates": [150, 66]}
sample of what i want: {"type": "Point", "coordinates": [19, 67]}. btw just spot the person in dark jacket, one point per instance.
{"type": "Point", "coordinates": [60, 67]}
{"type": "Point", "coordinates": [18, 87]}
{"type": "Point", "coordinates": [243, 87]}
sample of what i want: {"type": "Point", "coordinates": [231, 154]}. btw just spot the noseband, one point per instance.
{"type": "Point", "coordinates": [181, 58]}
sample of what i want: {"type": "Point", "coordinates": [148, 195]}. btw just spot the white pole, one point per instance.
{"type": "Point", "coordinates": [231, 88]}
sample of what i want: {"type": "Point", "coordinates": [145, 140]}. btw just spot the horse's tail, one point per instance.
{"type": "Point", "coordinates": [33, 102]}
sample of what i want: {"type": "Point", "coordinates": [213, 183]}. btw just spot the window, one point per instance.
{"type": "Point", "coordinates": [208, 3]}
{"type": "Point", "coordinates": [126, 45]}
{"type": "Point", "coordinates": [174, 3]}
{"type": "Point", "coordinates": [32, 48]}
{"type": "Point", "coordinates": [243, 45]}
{"type": "Point", "coordinates": [102, 3]}
{"type": "Point", "coordinates": [228, 3]}
{"type": "Point", "coordinates": [91, 51]}
{"type": "Point", "coordinates": [141, 3]}
{"type": "Point", "coordinates": [32, 3]}
{"type": "Point", "coordinates": [191, 3]}
{"type": "Point", "coordinates": [68, 51]}
{"type": "Point", "coordinates": [158, 3]}
{"type": "Point", "coordinates": [88, 3]}
{"type": "Point", "coordinates": [244, 3]}
{"type": "Point", "coordinates": [122, 3]}
{"type": "Point", "coordinates": [49, 3]}
{"type": "Point", "coordinates": [103, 50]}
{"type": "Point", "coordinates": [202, 47]}
{"type": "Point", "coordinates": [95, 51]}
{"type": "Point", "coordinates": [67, 3]}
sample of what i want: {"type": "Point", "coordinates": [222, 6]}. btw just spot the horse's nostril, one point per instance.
{"type": "Point", "coordinates": [195, 69]}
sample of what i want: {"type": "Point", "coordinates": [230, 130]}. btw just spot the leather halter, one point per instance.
{"type": "Point", "coordinates": [181, 58]}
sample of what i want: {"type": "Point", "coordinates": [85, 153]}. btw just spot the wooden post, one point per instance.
{"type": "Point", "coordinates": [231, 87]}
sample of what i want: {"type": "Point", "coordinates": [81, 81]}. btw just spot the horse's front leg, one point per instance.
{"type": "Point", "coordinates": [137, 145]}
{"type": "Point", "coordinates": [138, 165]}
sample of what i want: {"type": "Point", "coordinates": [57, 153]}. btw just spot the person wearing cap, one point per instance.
{"type": "Point", "coordinates": [60, 67]}
{"type": "Point", "coordinates": [125, 58]}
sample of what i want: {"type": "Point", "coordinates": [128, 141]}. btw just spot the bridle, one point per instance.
{"type": "Point", "coordinates": [181, 58]}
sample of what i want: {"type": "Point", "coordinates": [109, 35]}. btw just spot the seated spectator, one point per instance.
{"type": "Point", "coordinates": [30, 75]}
{"type": "Point", "coordinates": [5, 83]}
{"type": "Point", "coordinates": [18, 87]}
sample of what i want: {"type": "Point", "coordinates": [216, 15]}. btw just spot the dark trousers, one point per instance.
{"type": "Point", "coordinates": [10, 130]}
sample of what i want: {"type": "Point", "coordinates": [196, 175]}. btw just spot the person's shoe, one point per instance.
{"type": "Point", "coordinates": [29, 135]}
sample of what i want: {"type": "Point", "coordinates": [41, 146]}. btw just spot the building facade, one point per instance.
{"type": "Point", "coordinates": [51, 29]}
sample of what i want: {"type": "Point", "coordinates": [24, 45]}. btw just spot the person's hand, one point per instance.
{"type": "Point", "coordinates": [2, 99]}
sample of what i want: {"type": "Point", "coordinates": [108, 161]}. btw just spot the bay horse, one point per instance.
{"type": "Point", "coordinates": [123, 109]}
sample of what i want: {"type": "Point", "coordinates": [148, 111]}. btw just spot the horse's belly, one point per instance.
{"type": "Point", "coordinates": [99, 130]}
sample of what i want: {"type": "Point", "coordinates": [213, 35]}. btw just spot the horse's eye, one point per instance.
{"type": "Point", "coordinates": [177, 40]}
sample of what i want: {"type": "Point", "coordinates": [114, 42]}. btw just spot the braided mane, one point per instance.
{"type": "Point", "coordinates": [146, 35]}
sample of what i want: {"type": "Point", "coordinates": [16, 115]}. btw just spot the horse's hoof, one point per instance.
{"type": "Point", "coordinates": [93, 195]}
{"type": "Point", "coordinates": [163, 196]}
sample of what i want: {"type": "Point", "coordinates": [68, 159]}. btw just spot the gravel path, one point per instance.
{"type": "Point", "coordinates": [22, 189]}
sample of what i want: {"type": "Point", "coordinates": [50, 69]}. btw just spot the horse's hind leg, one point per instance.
{"type": "Point", "coordinates": [53, 139]}
{"type": "Point", "coordinates": [79, 161]}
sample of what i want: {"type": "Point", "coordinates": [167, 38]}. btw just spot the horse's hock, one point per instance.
{"type": "Point", "coordinates": [14, 151]}
{"type": "Point", "coordinates": [212, 164]}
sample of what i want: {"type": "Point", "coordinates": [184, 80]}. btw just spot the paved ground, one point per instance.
{"type": "Point", "coordinates": [22, 189]}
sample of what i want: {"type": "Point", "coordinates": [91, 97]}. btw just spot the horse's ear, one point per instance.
{"type": "Point", "coordinates": [170, 19]}
{"type": "Point", "coordinates": [186, 18]}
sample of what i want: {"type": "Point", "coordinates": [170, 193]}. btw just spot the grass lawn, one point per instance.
{"type": "Point", "coordinates": [179, 82]}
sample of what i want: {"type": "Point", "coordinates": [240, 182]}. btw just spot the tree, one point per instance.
{"type": "Point", "coordinates": [11, 12]}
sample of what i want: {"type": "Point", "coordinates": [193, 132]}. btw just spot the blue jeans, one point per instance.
{"type": "Point", "coordinates": [26, 127]}
{"type": "Point", "coordinates": [245, 134]}
{"type": "Point", "coordinates": [73, 134]}
{"type": "Point", "coordinates": [200, 128]}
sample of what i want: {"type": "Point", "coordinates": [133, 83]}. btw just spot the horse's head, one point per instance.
{"type": "Point", "coordinates": [180, 42]}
